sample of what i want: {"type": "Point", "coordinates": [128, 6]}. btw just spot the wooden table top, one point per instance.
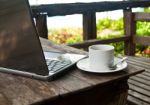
{"type": "Point", "coordinates": [17, 90]}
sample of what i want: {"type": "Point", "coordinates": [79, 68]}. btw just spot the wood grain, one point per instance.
{"type": "Point", "coordinates": [41, 25]}
{"type": "Point", "coordinates": [75, 86]}
{"type": "Point", "coordinates": [80, 8]}
{"type": "Point", "coordinates": [139, 91]}
{"type": "Point", "coordinates": [88, 43]}
{"type": "Point", "coordinates": [141, 16]}
{"type": "Point", "coordinates": [130, 30]}
{"type": "Point", "coordinates": [145, 40]}
{"type": "Point", "coordinates": [89, 26]}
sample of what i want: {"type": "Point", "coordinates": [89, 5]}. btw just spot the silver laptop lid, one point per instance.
{"type": "Point", "coordinates": [19, 43]}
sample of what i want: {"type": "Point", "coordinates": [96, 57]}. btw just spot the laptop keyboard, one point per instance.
{"type": "Point", "coordinates": [56, 65]}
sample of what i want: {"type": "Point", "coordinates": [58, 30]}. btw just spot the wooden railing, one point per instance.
{"type": "Point", "coordinates": [88, 10]}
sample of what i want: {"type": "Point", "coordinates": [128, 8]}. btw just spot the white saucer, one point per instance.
{"type": "Point", "coordinates": [83, 64]}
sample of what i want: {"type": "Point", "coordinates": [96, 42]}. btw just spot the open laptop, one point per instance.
{"type": "Point", "coordinates": [20, 49]}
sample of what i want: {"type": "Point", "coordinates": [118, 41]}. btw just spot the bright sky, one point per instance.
{"type": "Point", "coordinates": [63, 1]}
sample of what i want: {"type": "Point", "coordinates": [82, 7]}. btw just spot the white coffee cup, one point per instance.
{"type": "Point", "coordinates": [101, 56]}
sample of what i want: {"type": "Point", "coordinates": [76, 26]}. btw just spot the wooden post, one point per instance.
{"type": "Point", "coordinates": [41, 25]}
{"type": "Point", "coordinates": [89, 25]}
{"type": "Point", "coordinates": [129, 30]}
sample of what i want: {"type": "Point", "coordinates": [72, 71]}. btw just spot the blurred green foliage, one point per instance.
{"type": "Point", "coordinates": [106, 29]}
{"type": "Point", "coordinates": [147, 9]}
{"type": "Point", "coordinates": [65, 35]}
{"type": "Point", "coordinates": [111, 24]}
{"type": "Point", "coordinates": [143, 28]}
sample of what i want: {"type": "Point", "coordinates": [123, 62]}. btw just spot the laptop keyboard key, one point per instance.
{"type": "Point", "coordinates": [56, 65]}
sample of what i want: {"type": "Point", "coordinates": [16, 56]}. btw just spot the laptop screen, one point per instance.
{"type": "Point", "coordinates": [19, 43]}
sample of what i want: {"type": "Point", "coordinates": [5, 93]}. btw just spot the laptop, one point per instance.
{"type": "Point", "coordinates": [20, 48]}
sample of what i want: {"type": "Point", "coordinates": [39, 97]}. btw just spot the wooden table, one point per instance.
{"type": "Point", "coordinates": [74, 88]}
{"type": "Point", "coordinates": [139, 85]}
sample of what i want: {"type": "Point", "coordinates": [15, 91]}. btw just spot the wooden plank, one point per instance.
{"type": "Point", "coordinates": [86, 44]}
{"type": "Point", "coordinates": [141, 65]}
{"type": "Point", "coordinates": [146, 73]}
{"type": "Point", "coordinates": [95, 94]}
{"type": "Point", "coordinates": [96, 77]}
{"type": "Point", "coordinates": [140, 59]}
{"type": "Point", "coordinates": [79, 8]}
{"type": "Point", "coordinates": [41, 25]}
{"type": "Point", "coordinates": [135, 101]}
{"type": "Point", "coordinates": [93, 78]}
{"type": "Point", "coordinates": [143, 76]}
{"type": "Point", "coordinates": [147, 70]}
{"type": "Point", "coordinates": [141, 80]}
{"type": "Point", "coordinates": [48, 46]}
{"type": "Point", "coordinates": [144, 40]}
{"type": "Point", "coordinates": [139, 96]}
{"type": "Point", "coordinates": [72, 83]}
{"type": "Point", "coordinates": [140, 90]}
{"type": "Point", "coordinates": [89, 25]}
{"type": "Point", "coordinates": [129, 30]}
{"type": "Point", "coordinates": [17, 90]}
{"type": "Point", "coordinates": [141, 16]}
{"type": "Point", "coordinates": [138, 84]}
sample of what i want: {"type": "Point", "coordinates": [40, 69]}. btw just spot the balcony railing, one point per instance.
{"type": "Point", "coordinates": [88, 11]}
